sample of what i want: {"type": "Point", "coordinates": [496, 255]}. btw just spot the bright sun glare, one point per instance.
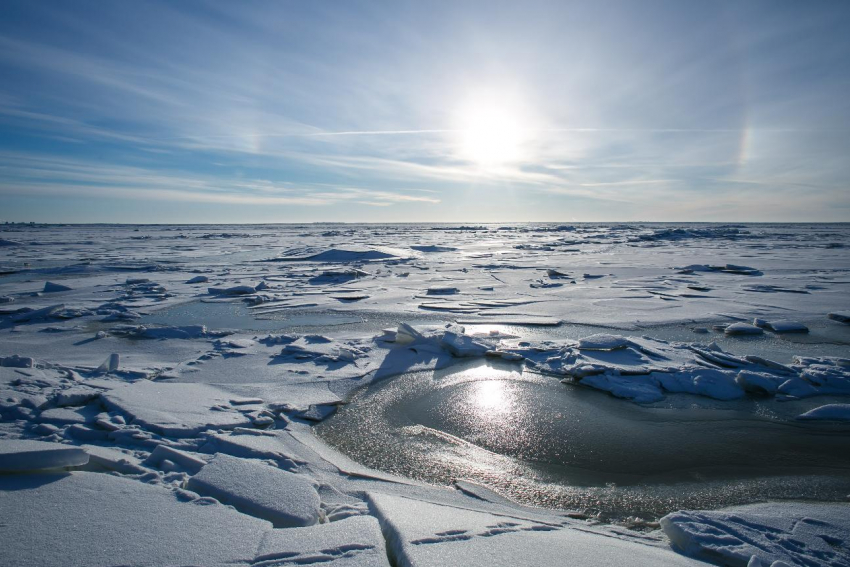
{"type": "Point", "coordinates": [491, 133]}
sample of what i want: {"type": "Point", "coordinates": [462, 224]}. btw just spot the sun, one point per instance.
{"type": "Point", "coordinates": [491, 133]}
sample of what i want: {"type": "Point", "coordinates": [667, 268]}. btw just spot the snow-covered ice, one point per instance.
{"type": "Point", "coordinates": [765, 534]}
{"type": "Point", "coordinates": [159, 387]}
{"type": "Point", "coordinates": [831, 412]}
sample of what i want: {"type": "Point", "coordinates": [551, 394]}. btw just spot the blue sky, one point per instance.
{"type": "Point", "coordinates": [169, 112]}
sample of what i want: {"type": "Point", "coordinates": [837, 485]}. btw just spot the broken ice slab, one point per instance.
{"type": "Point", "coordinates": [787, 326]}
{"type": "Point", "coordinates": [50, 287]}
{"type": "Point", "coordinates": [17, 455]}
{"type": "Point", "coordinates": [842, 316]}
{"type": "Point", "coordinates": [442, 290]}
{"type": "Point", "coordinates": [178, 410]}
{"type": "Point", "coordinates": [252, 487]}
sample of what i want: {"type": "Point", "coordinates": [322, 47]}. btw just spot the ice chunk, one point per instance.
{"type": "Point", "coordinates": [110, 364]}
{"type": "Point", "coordinates": [843, 316]}
{"type": "Point", "coordinates": [764, 534]}
{"type": "Point", "coordinates": [434, 248]}
{"type": "Point", "coordinates": [235, 290]}
{"type": "Point", "coordinates": [603, 341]}
{"type": "Point", "coordinates": [16, 361]}
{"type": "Point", "coordinates": [353, 541]}
{"type": "Point", "coordinates": [76, 396]}
{"type": "Point", "coordinates": [759, 382]}
{"type": "Point", "coordinates": [181, 458]}
{"type": "Point", "coordinates": [256, 444]}
{"type": "Point", "coordinates": [787, 326]}
{"type": "Point", "coordinates": [198, 279]}
{"type": "Point", "coordinates": [114, 460]}
{"type": "Point", "coordinates": [832, 412]}
{"type": "Point", "coordinates": [101, 520]}
{"type": "Point", "coordinates": [641, 389]}
{"type": "Point", "coordinates": [64, 416]}
{"type": "Point", "coordinates": [352, 255]}
{"type": "Point", "coordinates": [464, 345]}
{"type": "Point", "coordinates": [50, 287]}
{"type": "Point", "coordinates": [743, 329]}
{"type": "Point", "coordinates": [285, 499]}
{"type": "Point", "coordinates": [407, 334]}
{"type": "Point", "coordinates": [38, 314]}
{"type": "Point", "coordinates": [18, 455]}
{"type": "Point", "coordinates": [178, 410]}
{"type": "Point", "coordinates": [442, 290]}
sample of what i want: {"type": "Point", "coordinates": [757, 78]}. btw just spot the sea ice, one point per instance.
{"type": "Point", "coordinates": [283, 498]}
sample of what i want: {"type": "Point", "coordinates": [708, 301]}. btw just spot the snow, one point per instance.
{"type": "Point", "coordinates": [832, 412]}
{"type": "Point", "coordinates": [283, 498]}
{"type": "Point", "coordinates": [18, 455]}
{"type": "Point", "coordinates": [764, 534]}
{"type": "Point", "coordinates": [102, 520]}
{"type": "Point", "coordinates": [351, 542]}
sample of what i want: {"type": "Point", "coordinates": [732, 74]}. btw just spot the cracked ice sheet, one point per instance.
{"type": "Point", "coordinates": [424, 534]}
{"type": "Point", "coordinates": [761, 534]}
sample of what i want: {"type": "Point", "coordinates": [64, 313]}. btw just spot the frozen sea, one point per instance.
{"type": "Point", "coordinates": [425, 394]}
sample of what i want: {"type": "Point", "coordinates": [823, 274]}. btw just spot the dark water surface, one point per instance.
{"type": "Point", "coordinates": [541, 442]}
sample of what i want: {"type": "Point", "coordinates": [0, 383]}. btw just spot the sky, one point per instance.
{"type": "Point", "coordinates": [258, 112]}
